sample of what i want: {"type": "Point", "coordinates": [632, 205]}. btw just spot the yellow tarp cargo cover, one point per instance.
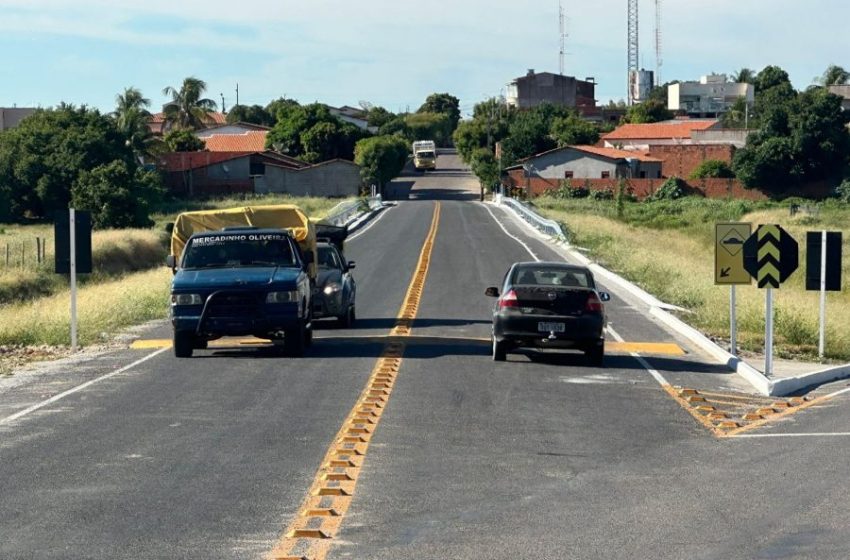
{"type": "Point", "coordinates": [279, 216]}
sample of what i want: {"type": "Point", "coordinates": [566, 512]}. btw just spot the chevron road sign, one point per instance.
{"type": "Point", "coordinates": [770, 256]}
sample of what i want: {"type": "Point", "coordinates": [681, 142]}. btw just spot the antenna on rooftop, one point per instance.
{"type": "Point", "coordinates": [658, 59]}
{"type": "Point", "coordinates": [562, 37]}
{"type": "Point", "coordinates": [632, 47]}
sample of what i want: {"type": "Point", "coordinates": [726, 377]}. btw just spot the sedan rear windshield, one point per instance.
{"type": "Point", "coordinates": [567, 277]}
{"type": "Point", "coordinates": [239, 249]}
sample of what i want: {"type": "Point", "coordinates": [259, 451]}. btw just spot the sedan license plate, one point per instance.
{"type": "Point", "coordinates": [550, 327]}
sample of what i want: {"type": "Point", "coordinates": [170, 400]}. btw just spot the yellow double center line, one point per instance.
{"type": "Point", "coordinates": [320, 516]}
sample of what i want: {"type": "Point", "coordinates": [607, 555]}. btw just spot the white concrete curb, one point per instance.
{"type": "Point", "coordinates": [659, 309]}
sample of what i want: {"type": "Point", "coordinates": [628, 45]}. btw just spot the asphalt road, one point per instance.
{"type": "Point", "coordinates": [540, 457]}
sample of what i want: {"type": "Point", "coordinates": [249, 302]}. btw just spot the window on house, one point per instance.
{"type": "Point", "coordinates": [643, 174]}
{"type": "Point", "coordinates": [568, 174]}
{"type": "Point", "coordinates": [257, 168]}
{"type": "Point", "coordinates": [606, 174]}
{"type": "Point", "coordinates": [658, 174]}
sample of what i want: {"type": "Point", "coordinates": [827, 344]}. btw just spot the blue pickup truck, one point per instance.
{"type": "Point", "coordinates": [241, 281]}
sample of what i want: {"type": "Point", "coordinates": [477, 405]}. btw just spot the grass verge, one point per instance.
{"type": "Point", "coordinates": [668, 249]}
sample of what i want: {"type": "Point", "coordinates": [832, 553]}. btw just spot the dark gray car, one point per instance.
{"type": "Point", "coordinates": [549, 305]}
{"type": "Point", "coordinates": [335, 286]}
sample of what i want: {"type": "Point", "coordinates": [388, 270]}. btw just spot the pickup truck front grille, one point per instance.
{"type": "Point", "coordinates": [232, 304]}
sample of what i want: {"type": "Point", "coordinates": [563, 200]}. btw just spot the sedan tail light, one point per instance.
{"type": "Point", "coordinates": [508, 299]}
{"type": "Point", "coordinates": [593, 304]}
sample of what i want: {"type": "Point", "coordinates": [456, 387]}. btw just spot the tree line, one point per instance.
{"type": "Point", "coordinates": [77, 156]}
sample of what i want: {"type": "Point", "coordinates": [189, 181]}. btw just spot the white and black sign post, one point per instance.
{"type": "Point", "coordinates": [73, 266]}
{"type": "Point", "coordinates": [823, 272]}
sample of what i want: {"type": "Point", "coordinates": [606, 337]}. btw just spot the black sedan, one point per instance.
{"type": "Point", "coordinates": [549, 305]}
{"type": "Point", "coordinates": [335, 286]}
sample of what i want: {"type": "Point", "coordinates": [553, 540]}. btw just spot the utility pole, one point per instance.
{"type": "Point", "coordinates": [562, 36]}
{"type": "Point", "coordinates": [223, 108]}
{"type": "Point", "coordinates": [658, 58]}
{"type": "Point", "coordinates": [237, 93]}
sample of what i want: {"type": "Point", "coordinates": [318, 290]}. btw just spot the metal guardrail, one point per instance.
{"type": "Point", "coordinates": [343, 212]}
{"type": "Point", "coordinates": [375, 202]}
{"type": "Point", "coordinates": [549, 227]}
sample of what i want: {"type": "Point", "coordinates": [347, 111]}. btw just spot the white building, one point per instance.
{"type": "Point", "coordinates": [713, 95]}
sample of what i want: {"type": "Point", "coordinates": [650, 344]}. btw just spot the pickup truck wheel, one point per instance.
{"type": "Point", "coordinates": [200, 344]}
{"type": "Point", "coordinates": [295, 340]}
{"type": "Point", "coordinates": [183, 343]}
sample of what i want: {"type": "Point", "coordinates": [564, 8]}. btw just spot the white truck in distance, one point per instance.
{"type": "Point", "coordinates": [424, 155]}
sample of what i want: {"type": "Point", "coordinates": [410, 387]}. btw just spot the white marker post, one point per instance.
{"type": "Point", "coordinates": [822, 338]}
{"type": "Point", "coordinates": [768, 332]}
{"type": "Point", "coordinates": [73, 269]}
{"type": "Point", "coordinates": [733, 323]}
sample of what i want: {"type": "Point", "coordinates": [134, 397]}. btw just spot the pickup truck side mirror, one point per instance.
{"type": "Point", "coordinates": [492, 291]}
{"type": "Point", "coordinates": [350, 265]}
{"type": "Point", "coordinates": [171, 262]}
{"type": "Point", "coordinates": [604, 296]}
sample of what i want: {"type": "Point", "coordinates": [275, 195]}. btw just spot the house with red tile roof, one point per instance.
{"type": "Point", "coordinates": [642, 137]}
{"type": "Point", "coordinates": [252, 141]}
{"type": "Point", "coordinates": [587, 162]}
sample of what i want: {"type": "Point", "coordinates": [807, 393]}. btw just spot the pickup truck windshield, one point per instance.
{"type": "Point", "coordinates": [239, 249]}
{"type": "Point", "coordinates": [425, 155]}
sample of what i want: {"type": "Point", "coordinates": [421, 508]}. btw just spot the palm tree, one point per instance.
{"type": "Point", "coordinates": [834, 76]}
{"type": "Point", "coordinates": [744, 76]}
{"type": "Point", "coordinates": [131, 119]}
{"type": "Point", "coordinates": [187, 109]}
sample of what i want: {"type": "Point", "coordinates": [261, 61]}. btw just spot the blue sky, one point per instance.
{"type": "Point", "coordinates": [388, 52]}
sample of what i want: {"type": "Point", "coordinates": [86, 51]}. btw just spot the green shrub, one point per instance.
{"type": "Point", "coordinates": [604, 194]}
{"type": "Point", "coordinates": [671, 189]}
{"type": "Point", "coordinates": [842, 191]}
{"type": "Point", "coordinates": [713, 169]}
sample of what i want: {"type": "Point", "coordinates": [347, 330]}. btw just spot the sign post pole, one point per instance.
{"type": "Point", "coordinates": [73, 237]}
{"type": "Point", "coordinates": [733, 323]}
{"type": "Point", "coordinates": [768, 332]}
{"type": "Point", "coordinates": [822, 337]}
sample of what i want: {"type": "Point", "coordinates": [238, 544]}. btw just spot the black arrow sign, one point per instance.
{"type": "Point", "coordinates": [724, 272]}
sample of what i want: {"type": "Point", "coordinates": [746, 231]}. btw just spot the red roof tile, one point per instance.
{"type": "Point", "coordinates": [658, 131]}
{"type": "Point", "coordinates": [614, 153]}
{"type": "Point", "coordinates": [253, 141]}
{"type": "Point", "coordinates": [184, 161]}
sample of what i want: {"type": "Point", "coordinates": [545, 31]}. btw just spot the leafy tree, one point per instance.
{"type": "Point", "coordinates": [254, 114]}
{"type": "Point", "coordinates": [381, 158]}
{"type": "Point", "coordinates": [293, 122]}
{"type": "Point", "coordinates": [131, 118]}
{"type": "Point", "coordinates": [528, 133]}
{"type": "Point", "coordinates": [445, 104]}
{"type": "Point", "coordinates": [430, 126]}
{"type": "Point", "coordinates": [281, 104]}
{"type": "Point", "coordinates": [187, 108]}
{"type": "Point", "coordinates": [396, 126]}
{"type": "Point", "coordinates": [330, 140]}
{"type": "Point", "coordinates": [183, 140]}
{"type": "Point", "coordinates": [573, 130]}
{"type": "Point", "coordinates": [43, 157]}
{"type": "Point", "coordinates": [651, 111]}
{"type": "Point", "coordinates": [378, 116]}
{"type": "Point", "coordinates": [834, 76]}
{"type": "Point", "coordinates": [485, 167]}
{"type": "Point", "coordinates": [118, 195]}
{"type": "Point", "coordinates": [743, 76]}
{"type": "Point", "coordinates": [738, 115]}
{"type": "Point", "coordinates": [713, 169]}
{"type": "Point", "coordinates": [468, 137]}
{"type": "Point", "coordinates": [671, 189]}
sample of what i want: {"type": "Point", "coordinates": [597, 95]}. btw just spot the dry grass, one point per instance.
{"type": "Point", "coordinates": [677, 265]}
{"type": "Point", "coordinates": [103, 310]}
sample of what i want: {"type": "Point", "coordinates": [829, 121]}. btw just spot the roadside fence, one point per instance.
{"type": "Point", "coordinates": [343, 212]}
{"type": "Point", "coordinates": [544, 225]}
{"type": "Point", "coordinates": [24, 253]}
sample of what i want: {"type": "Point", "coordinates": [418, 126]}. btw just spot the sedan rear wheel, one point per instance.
{"type": "Point", "coordinates": [596, 356]}
{"type": "Point", "coordinates": [500, 353]}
